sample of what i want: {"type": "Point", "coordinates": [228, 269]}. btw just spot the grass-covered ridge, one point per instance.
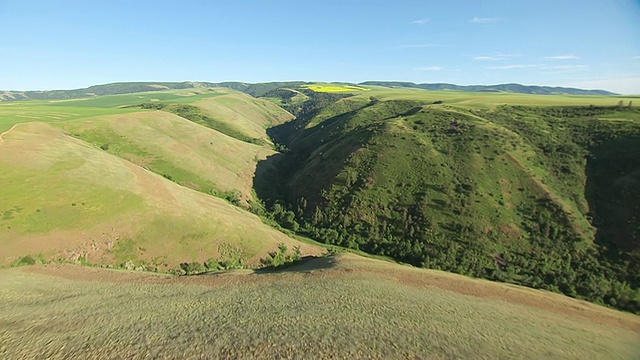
{"type": "Point", "coordinates": [334, 307]}
{"type": "Point", "coordinates": [544, 196]}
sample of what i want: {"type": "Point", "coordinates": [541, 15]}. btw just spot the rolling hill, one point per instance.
{"type": "Point", "coordinates": [261, 89]}
{"type": "Point", "coordinates": [97, 180]}
{"type": "Point", "coordinates": [513, 88]}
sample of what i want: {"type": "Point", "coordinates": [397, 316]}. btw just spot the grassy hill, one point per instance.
{"type": "Point", "coordinates": [245, 114]}
{"type": "Point", "coordinates": [219, 160]}
{"type": "Point", "coordinates": [64, 198]}
{"type": "Point", "coordinates": [187, 153]}
{"type": "Point", "coordinates": [531, 192]}
{"type": "Point", "coordinates": [336, 307]}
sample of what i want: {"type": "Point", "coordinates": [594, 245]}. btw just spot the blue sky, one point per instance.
{"type": "Point", "coordinates": [71, 44]}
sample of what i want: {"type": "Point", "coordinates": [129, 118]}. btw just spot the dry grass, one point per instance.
{"type": "Point", "coordinates": [246, 114]}
{"type": "Point", "coordinates": [167, 143]}
{"type": "Point", "coordinates": [343, 307]}
{"type": "Point", "coordinates": [65, 198]}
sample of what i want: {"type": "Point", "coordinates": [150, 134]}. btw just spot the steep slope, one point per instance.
{"type": "Point", "coordinates": [181, 150]}
{"type": "Point", "coordinates": [64, 198]}
{"type": "Point", "coordinates": [247, 115]}
{"type": "Point", "coordinates": [500, 193]}
{"type": "Point", "coordinates": [336, 307]}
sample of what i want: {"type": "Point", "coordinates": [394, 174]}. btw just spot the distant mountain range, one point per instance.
{"type": "Point", "coordinates": [513, 88]}
{"type": "Point", "coordinates": [260, 89]}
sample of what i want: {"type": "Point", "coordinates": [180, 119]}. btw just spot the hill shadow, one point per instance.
{"type": "Point", "coordinates": [612, 191]}
{"type": "Point", "coordinates": [306, 264]}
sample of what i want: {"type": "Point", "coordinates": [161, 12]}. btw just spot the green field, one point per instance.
{"type": "Point", "coordinates": [64, 110]}
{"type": "Point", "coordinates": [341, 307]}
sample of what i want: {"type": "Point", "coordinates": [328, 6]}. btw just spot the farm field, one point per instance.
{"type": "Point", "coordinates": [343, 306]}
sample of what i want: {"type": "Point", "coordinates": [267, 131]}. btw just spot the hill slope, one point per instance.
{"type": "Point", "coordinates": [192, 155]}
{"type": "Point", "coordinates": [523, 194]}
{"type": "Point", "coordinates": [64, 198]}
{"type": "Point", "coordinates": [339, 307]}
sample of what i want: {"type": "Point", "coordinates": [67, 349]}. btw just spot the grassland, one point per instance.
{"type": "Point", "coordinates": [65, 110]}
{"type": "Point", "coordinates": [247, 115]}
{"type": "Point", "coordinates": [340, 307]}
{"type": "Point", "coordinates": [63, 198]}
{"type": "Point", "coordinates": [187, 153]}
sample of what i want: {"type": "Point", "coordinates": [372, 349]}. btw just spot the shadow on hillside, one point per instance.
{"type": "Point", "coordinates": [613, 193]}
{"type": "Point", "coordinates": [306, 264]}
{"type": "Point", "coordinates": [267, 181]}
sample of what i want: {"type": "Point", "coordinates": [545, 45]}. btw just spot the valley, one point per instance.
{"type": "Point", "coordinates": [400, 204]}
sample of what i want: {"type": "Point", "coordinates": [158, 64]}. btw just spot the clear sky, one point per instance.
{"type": "Point", "coordinates": [71, 44]}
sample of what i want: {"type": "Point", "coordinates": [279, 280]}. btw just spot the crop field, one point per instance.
{"type": "Point", "coordinates": [490, 100]}
{"type": "Point", "coordinates": [53, 111]}
{"type": "Point", "coordinates": [335, 88]}
{"type": "Point", "coordinates": [337, 307]}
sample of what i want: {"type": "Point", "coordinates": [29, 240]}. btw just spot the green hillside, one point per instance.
{"type": "Point", "coordinates": [342, 307]}
{"type": "Point", "coordinates": [546, 195]}
{"type": "Point", "coordinates": [185, 152]}
{"type": "Point", "coordinates": [72, 189]}
{"type": "Point", "coordinates": [220, 160]}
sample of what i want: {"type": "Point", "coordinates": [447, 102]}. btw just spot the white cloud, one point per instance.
{"type": "Point", "coordinates": [515, 66]}
{"type": "Point", "coordinates": [561, 69]}
{"type": "Point", "coordinates": [428, 68]}
{"type": "Point", "coordinates": [495, 57]}
{"type": "Point", "coordinates": [565, 67]}
{"type": "Point", "coordinates": [413, 46]}
{"type": "Point", "coordinates": [420, 21]}
{"type": "Point", "coordinates": [479, 20]}
{"type": "Point", "coordinates": [562, 57]}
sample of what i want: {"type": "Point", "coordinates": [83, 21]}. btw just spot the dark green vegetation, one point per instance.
{"type": "Point", "coordinates": [547, 197]}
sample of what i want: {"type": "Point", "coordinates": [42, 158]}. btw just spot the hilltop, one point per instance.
{"type": "Point", "coordinates": [343, 306]}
